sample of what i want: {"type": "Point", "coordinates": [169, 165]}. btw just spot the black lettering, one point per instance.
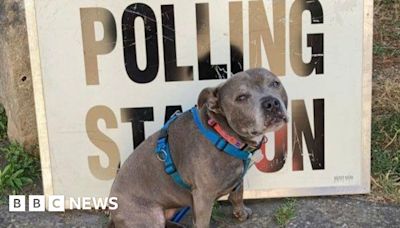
{"type": "Point", "coordinates": [300, 127]}
{"type": "Point", "coordinates": [131, 13]}
{"type": "Point", "coordinates": [236, 36]}
{"type": "Point", "coordinates": [315, 41]}
{"type": "Point", "coordinates": [206, 69]}
{"type": "Point", "coordinates": [170, 110]}
{"type": "Point", "coordinates": [137, 116]}
{"type": "Point", "coordinates": [173, 72]}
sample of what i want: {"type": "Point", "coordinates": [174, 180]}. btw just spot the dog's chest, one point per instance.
{"type": "Point", "coordinates": [229, 179]}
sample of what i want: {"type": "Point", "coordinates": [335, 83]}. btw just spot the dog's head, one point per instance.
{"type": "Point", "coordinates": [252, 103]}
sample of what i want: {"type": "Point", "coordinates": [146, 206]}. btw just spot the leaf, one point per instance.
{"type": "Point", "coordinates": [7, 168]}
{"type": "Point", "coordinates": [16, 174]}
{"type": "Point", "coordinates": [18, 183]}
{"type": "Point", "coordinates": [11, 183]}
{"type": "Point", "coordinates": [26, 180]}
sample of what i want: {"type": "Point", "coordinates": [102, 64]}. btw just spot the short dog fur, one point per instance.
{"type": "Point", "coordinates": [247, 105]}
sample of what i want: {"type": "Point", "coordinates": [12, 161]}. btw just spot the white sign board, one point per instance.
{"type": "Point", "coordinates": [108, 74]}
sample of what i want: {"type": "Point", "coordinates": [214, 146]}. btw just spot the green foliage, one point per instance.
{"type": "Point", "coordinates": [216, 213]}
{"type": "Point", "coordinates": [386, 144]}
{"type": "Point", "coordinates": [384, 162]}
{"type": "Point", "coordinates": [387, 2]}
{"type": "Point", "coordinates": [286, 212]}
{"type": "Point", "coordinates": [386, 156]}
{"type": "Point", "coordinates": [3, 123]}
{"type": "Point", "coordinates": [387, 186]}
{"type": "Point", "coordinates": [379, 49]}
{"type": "Point", "coordinates": [20, 170]}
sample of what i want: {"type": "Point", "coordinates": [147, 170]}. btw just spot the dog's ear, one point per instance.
{"type": "Point", "coordinates": [209, 98]}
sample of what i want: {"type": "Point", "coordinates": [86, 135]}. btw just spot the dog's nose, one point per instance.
{"type": "Point", "coordinates": [271, 104]}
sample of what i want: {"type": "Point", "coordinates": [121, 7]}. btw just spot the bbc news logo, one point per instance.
{"type": "Point", "coordinates": [56, 203]}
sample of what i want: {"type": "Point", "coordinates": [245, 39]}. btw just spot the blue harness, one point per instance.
{"type": "Point", "coordinates": [164, 154]}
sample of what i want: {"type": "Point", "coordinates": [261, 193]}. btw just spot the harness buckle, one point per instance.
{"type": "Point", "coordinates": [162, 155]}
{"type": "Point", "coordinates": [176, 114]}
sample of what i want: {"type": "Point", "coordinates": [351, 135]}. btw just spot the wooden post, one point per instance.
{"type": "Point", "coordinates": [16, 93]}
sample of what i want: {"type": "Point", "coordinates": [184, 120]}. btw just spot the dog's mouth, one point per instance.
{"type": "Point", "coordinates": [277, 119]}
{"type": "Point", "coordinates": [271, 124]}
{"type": "Point", "coordinates": [256, 133]}
{"type": "Point", "coordinates": [275, 122]}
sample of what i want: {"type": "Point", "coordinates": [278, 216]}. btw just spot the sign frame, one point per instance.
{"type": "Point", "coordinates": [45, 152]}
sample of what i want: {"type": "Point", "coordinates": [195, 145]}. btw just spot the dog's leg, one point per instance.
{"type": "Point", "coordinates": [202, 207]}
{"type": "Point", "coordinates": [133, 214]}
{"type": "Point", "coordinates": [240, 211]}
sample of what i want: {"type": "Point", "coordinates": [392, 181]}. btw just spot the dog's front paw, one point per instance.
{"type": "Point", "coordinates": [242, 214]}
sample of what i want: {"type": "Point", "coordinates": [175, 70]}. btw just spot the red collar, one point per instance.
{"type": "Point", "coordinates": [234, 141]}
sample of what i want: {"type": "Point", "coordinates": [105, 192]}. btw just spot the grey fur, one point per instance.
{"type": "Point", "coordinates": [242, 106]}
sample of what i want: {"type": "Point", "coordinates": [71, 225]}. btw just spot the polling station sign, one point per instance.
{"type": "Point", "coordinates": [108, 74]}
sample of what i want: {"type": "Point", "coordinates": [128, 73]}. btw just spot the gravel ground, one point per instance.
{"type": "Point", "coordinates": [345, 211]}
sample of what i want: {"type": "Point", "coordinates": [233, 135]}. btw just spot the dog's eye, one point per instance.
{"type": "Point", "coordinates": [242, 97]}
{"type": "Point", "coordinates": [275, 84]}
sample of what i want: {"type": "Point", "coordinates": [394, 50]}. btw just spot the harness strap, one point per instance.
{"type": "Point", "coordinates": [221, 143]}
{"type": "Point", "coordinates": [218, 141]}
{"type": "Point", "coordinates": [232, 140]}
{"type": "Point", "coordinates": [164, 154]}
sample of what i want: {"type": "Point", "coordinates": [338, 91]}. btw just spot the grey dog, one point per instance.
{"type": "Point", "coordinates": [246, 106]}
